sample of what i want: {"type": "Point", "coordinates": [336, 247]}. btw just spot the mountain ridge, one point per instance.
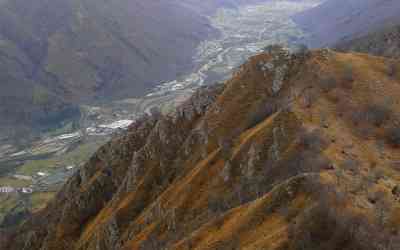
{"type": "Point", "coordinates": [251, 164]}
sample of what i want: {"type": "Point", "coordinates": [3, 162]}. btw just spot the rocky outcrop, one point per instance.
{"type": "Point", "coordinates": [212, 176]}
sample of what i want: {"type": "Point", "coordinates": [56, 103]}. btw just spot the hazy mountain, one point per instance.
{"type": "Point", "coordinates": [334, 20]}
{"type": "Point", "coordinates": [54, 53]}
{"type": "Point", "coordinates": [384, 42]}
{"type": "Point", "coordinates": [293, 152]}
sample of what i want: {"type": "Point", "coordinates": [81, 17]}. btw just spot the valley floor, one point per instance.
{"type": "Point", "coordinates": [47, 163]}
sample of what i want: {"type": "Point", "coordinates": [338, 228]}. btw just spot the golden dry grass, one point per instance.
{"type": "Point", "coordinates": [179, 214]}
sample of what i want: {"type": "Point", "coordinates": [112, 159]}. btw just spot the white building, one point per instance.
{"type": "Point", "coordinates": [42, 174]}
{"type": "Point", "coordinates": [27, 190]}
{"type": "Point", "coordinates": [7, 190]}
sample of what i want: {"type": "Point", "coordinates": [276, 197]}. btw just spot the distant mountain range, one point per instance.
{"type": "Point", "coordinates": [57, 54]}
{"type": "Point", "coordinates": [295, 151]}
{"type": "Point", "coordinates": [335, 20]}
{"type": "Point", "coordinates": [384, 42]}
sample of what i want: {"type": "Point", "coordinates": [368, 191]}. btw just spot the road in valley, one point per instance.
{"type": "Point", "coordinates": [45, 164]}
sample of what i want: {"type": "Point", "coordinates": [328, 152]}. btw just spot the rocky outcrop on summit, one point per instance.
{"type": "Point", "coordinates": [305, 162]}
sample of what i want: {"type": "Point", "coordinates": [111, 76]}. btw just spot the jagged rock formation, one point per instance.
{"type": "Point", "coordinates": [265, 161]}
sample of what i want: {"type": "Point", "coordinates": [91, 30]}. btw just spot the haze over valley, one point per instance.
{"type": "Point", "coordinates": [115, 115]}
{"type": "Point", "coordinates": [242, 32]}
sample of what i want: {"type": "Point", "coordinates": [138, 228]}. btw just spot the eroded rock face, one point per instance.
{"type": "Point", "coordinates": [198, 103]}
{"type": "Point", "coordinates": [171, 180]}
{"type": "Point", "coordinates": [278, 67]}
{"type": "Point", "coordinates": [117, 169]}
{"type": "Point", "coordinates": [280, 73]}
{"type": "Point", "coordinates": [138, 166]}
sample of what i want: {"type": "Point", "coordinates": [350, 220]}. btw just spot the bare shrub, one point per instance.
{"type": "Point", "coordinates": [351, 165]}
{"type": "Point", "coordinates": [374, 115]}
{"type": "Point", "coordinates": [155, 112]}
{"type": "Point", "coordinates": [376, 174]}
{"type": "Point", "coordinates": [328, 83]}
{"type": "Point", "coordinates": [308, 157]}
{"type": "Point", "coordinates": [378, 115]}
{"type": "Point", "coordinates": [348, 76]}
{"type": "Point", "coordinates": [392, 70]}
{"type": "Point", "coordinates": [383, 208]}
{"type": "Point", "coordinates": [312, 141]}
{"type": "Point", "coordinates": [217, 204]}
{"type": "Point", "coordinates": [309, 98]}
{"type": "Point", "coordinates": [363, 184]}
{"type": "Point", "coordinates": [226, 144]}
{"type": "Point", "coordinates": [340, 178]}
{"type": "Point", "coordinates": [151, 243]}
{"type": "Point", "coordinates": [392, 137]}
{"type": "Point", "coordinates": [261, 113]}
{"type": "Point", "coordinates": [246, 190]}
{"type": "Point", "coordinates": [324, 227]}
{"type": "Point", "coordinates": [329, 226]}
{"type": "Point", "coordinates": [273, 48]}
{"type": "Point", "coordinates": [302, 51]}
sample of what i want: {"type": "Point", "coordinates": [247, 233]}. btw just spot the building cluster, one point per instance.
{"type": "Point", "coordinates": [24, 190]}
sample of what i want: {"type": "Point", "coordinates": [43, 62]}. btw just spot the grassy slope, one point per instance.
{"type": "Point", "coordinates": [269, 230]}
{"type": "Point", "coordinates": [181, 192]}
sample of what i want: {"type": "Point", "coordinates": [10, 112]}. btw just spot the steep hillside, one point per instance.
{"type": "Point", "coordinates": [337, 19]}
{"type": "Point", "coordinates": [385, 42]}
{"type": "Point", "coordinates": [66, 51]}
{"type": "Point", "coordinates": [294, 152]}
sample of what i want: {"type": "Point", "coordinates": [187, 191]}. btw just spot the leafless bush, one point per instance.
{"type": "Point", "coordinates": [218, 203]}
{"type": "Point", "coordinates": [306, 159]}
{"type": "Point", "coordinates": [393, 137]}
{"type": "Point", "coordinates": [226, 144]}
{"type": "Point", "coordinates": [261, 113]}
{"type": "Point", "coordinates": [348, 77]}
{"type": "Point", "coordinates": [251, 188]}
{"type": "Point", "coordinates": [324, 227]}
{"type": "Point", "coordinates": [340, 178]}
{"type": "Point", "coordinates": [302, 51]}
{"type": "Point", "coordinates": [392, 69]}
{"type": "Point", "coordinates": [375, 115]}
{"type": "Point", "coordinates": [351, 165]}
{"type": "Point", "coordinates": [363, 185]}
{"type": "Point", "coordinates": [155, 112]}
{"type": "Point", "coordinates": [273, 48]}
{"type": "Point", "coordinates": [151, 243]}
{"type": "Point", "coordinates": [309, 97]}
{"type": "Point", "coordinates": [328, 83]}
{"type": "Point", "coordinates": [378, 114]}
{"type": "Point", "coordinates": [383, 208]}
{"type": "Point", "coordinates": [376, 174]}
{"type": "Point", "coordinates": [312, 141]}
{"type": "Point", "coordinates": [330, 227]}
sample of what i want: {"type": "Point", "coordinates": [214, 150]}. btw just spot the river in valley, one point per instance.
{"type": "Point", "coordinates": [29, 176]}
